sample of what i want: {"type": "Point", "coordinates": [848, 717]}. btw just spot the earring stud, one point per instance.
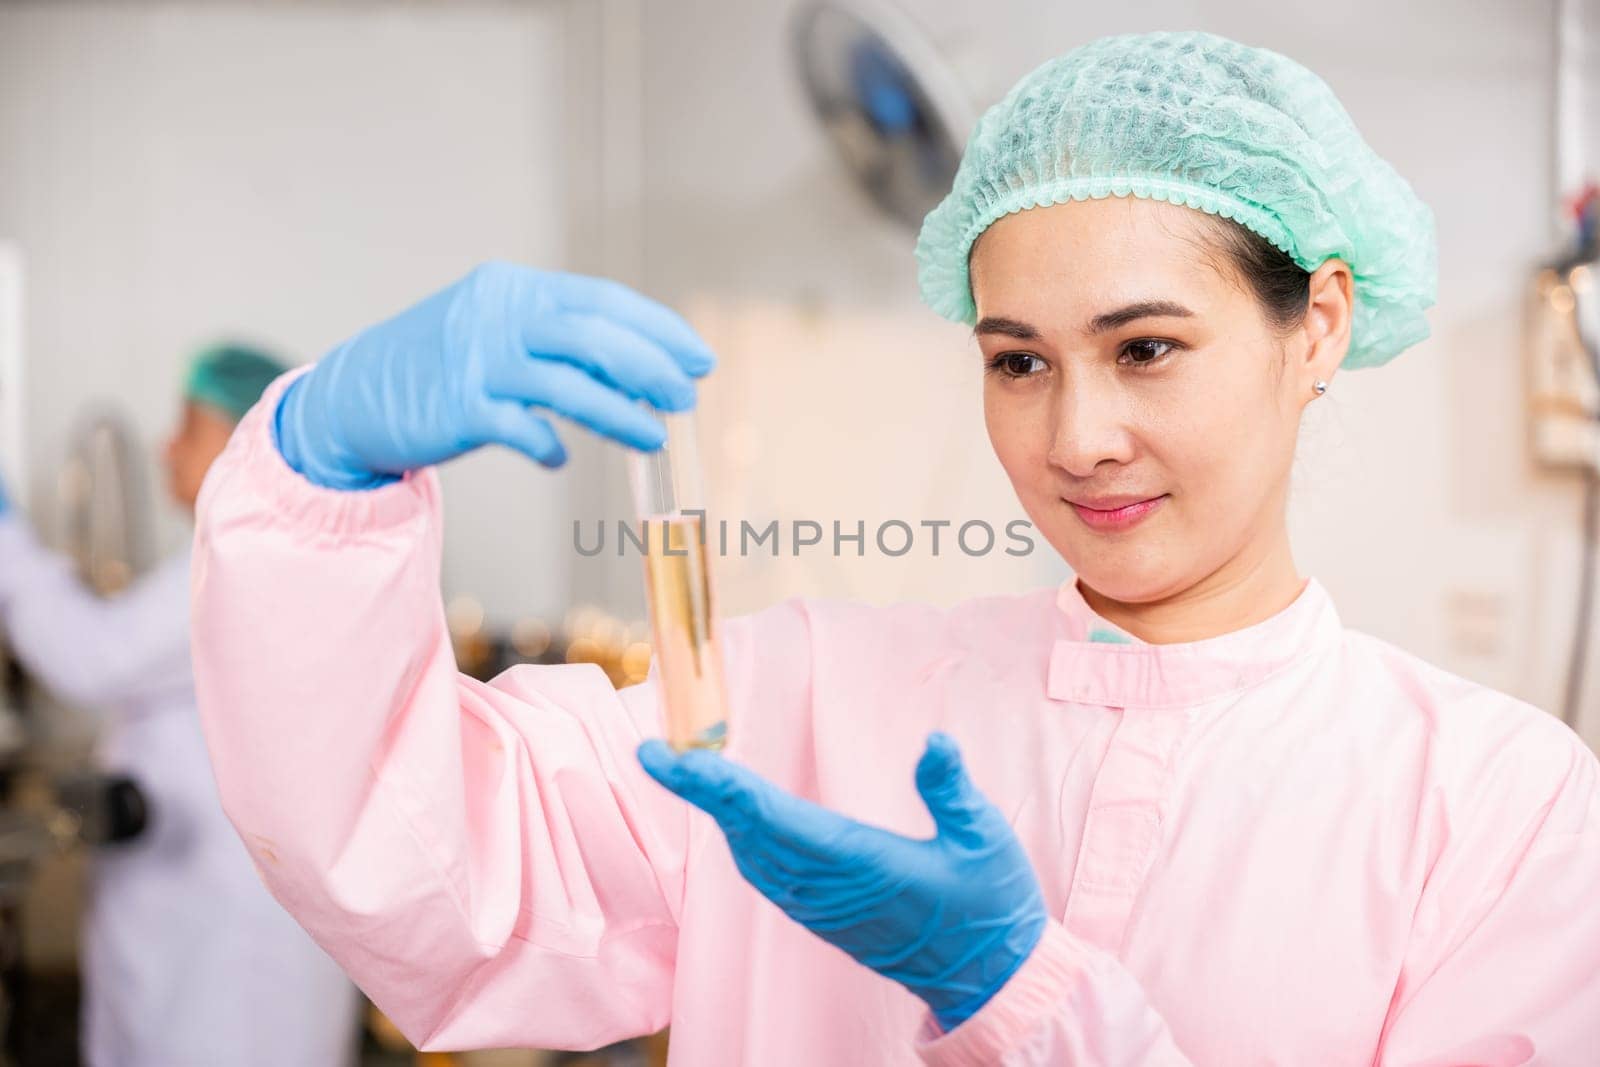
{"type": "Point", "coordinates": [1319, 386]}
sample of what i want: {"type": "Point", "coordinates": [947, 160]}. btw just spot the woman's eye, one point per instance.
{"type": "Point", "coordinates": [1016, 365]}
{"type": "Point", "coordinates": [1143, 352]}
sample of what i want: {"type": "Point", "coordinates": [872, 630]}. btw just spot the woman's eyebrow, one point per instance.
{"type": "Point", "coordinates": [1143, 309]}
{"type": "Point", "coordinates": [1007, 327]}
{"type": "Point", "coordinates": [1105, 321]}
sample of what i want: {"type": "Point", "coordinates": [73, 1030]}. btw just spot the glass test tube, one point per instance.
{"type": "Point", "coordinates": [669, 499]}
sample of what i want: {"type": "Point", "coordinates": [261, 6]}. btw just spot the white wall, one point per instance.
{"type": "Point", "coordinates": [287, 173]}
{"type": "Point", "coordinates": [1415, 494]}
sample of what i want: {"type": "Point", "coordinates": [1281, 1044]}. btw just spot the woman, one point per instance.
{"type": "Point", "coordinates": [186, 961]}
{"type": "Point", "coordinates": [1215, 827]}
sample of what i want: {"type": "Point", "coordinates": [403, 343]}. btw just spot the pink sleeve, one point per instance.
{"type": "Point", "coordinates": [1070, 1003]}
{"type": "Point", "coordinates": [488, 862]}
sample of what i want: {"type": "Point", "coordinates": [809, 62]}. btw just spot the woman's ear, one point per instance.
{"type": "Point", "coordinates": [1329, 308]}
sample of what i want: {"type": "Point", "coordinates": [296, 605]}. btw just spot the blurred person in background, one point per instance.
{"type": "Point", "coordinates": [187, 961]}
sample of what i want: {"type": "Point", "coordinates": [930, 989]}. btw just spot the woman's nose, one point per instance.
{"type": "Point", "coordinates": [1090, 429]}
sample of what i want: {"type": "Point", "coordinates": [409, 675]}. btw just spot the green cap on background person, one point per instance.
{"type": "Point", "coordinates": [231, 378]}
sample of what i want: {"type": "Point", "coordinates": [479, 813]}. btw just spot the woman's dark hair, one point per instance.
{"type": "Point", "coordinates": [1278, 282]}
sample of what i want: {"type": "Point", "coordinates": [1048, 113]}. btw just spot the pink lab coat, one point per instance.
{"type": "Point", "coordinates": [1290, 844]}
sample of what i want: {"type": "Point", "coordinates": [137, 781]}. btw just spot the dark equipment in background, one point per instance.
{"type": "Point", "coordinates": [1572, 285]}
{"type": "Point", "coordinates": [47, 807]}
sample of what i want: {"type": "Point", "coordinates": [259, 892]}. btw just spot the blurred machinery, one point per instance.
{"type": "Point", "coordinates": [103, 504]}
{"type": "Point", "coordinates": [48, 806]}
{"type": "Point", "coordinates": [1564, 399]}
{"type": "Point", "coordinates": [1564, 331]}
{"type": "Point", "coordinates": [587, 634]}
{"type": "Point", "coordinates": [1564, 380]}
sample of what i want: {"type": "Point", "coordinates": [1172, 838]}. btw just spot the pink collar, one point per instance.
{"type": "Point", "coordinates": [1140, 675]}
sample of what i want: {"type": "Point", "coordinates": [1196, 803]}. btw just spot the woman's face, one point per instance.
{"type": "Point", "coordinates": [1144, 408]}
{"type": "Point", "coordinates": [201, 436]}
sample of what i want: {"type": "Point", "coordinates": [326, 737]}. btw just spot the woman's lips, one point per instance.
{"type": "Point", "coordinates": [1121, 517]}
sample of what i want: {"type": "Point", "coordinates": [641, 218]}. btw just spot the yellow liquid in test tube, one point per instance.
{"type": "Point", "coordinates": [669, 499]}
{"type": "Point", "coordinates": [683, 625]}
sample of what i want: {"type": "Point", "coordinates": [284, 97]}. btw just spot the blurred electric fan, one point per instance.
{"type": "Point", "coordinates": [890, 103]}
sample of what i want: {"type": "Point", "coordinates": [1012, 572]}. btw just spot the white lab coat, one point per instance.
{"type": "Point", "coordinates": [187, 959]}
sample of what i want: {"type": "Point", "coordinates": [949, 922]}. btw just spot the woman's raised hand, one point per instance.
{"type": "Point", "coordinates": [484, 362]}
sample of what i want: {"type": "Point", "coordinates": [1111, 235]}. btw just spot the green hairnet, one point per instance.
{"type": "Point", "coordinates": [230, 378]}
{"type": "Point", "coordinates": [1198, 120]}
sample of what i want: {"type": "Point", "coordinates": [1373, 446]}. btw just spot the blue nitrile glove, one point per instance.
{"type": "Point", "coordinates": [950, 918]}
{"type": "Point", "coordinates": [5, 501]}
{"type": "Point", "coordinates": [468, 366]}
